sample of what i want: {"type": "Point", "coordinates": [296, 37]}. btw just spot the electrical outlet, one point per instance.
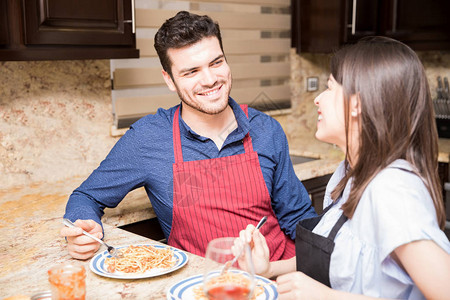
{"type": "Point", "coordinates": [312, 84]}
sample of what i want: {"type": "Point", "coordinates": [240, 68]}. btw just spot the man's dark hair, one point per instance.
{"type": "Point", "coordinates": [182, 30]}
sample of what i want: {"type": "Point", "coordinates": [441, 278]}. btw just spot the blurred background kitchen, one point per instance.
{"type": "Point", "coordinates": [66, 99]}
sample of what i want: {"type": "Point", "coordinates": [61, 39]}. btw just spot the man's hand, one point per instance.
{"type": "Point", "coordinates": [79, 245]}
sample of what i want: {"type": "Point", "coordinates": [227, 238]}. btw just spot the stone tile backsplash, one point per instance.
{"type": "Point", "coordinates": [55, 119]}
{"type": "Point", "coordinates": [55, 116]}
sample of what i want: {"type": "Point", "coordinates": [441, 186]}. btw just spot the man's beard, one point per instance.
{"type": "Point", "coordinates": [203, 109]}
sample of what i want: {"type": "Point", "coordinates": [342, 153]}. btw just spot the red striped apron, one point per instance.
{"type": "Point", "coordinates": [218, 197]}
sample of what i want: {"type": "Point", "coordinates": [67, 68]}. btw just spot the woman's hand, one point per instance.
{"type": "Point", "coordinates": [297, 286]}
{"type": "Point", "coordinates": [259, 250]}
{"type": "Point", "coordinates": [79, 245]}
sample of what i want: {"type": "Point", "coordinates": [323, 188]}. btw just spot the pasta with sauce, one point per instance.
{"type": "Point", "coordinates": [229, 278]}
{"type": "Point", "coordinates": [140, 259]}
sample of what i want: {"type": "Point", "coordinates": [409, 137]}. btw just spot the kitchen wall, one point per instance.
{"type": "Point", "coordinates": [55, 116]}
{"type": "Point", "coordinates": [301, 123]}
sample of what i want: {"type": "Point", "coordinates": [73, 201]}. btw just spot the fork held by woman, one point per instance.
{"type": "Point", "coordinates": [232, 262]}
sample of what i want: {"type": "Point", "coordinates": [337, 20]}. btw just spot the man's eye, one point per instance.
{"type": "Point", "coordinates": [217, 62]}
{"type": "Point", "coordinates": [190, 73]}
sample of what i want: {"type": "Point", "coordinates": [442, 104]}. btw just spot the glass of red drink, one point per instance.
{"type": "Point", "coordinates": [236, 282]}
{"type": "Point", "coordinates": [67, 281]}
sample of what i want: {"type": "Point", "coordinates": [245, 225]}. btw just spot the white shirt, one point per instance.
{"type": "Point", "coordinates": [394, 209]}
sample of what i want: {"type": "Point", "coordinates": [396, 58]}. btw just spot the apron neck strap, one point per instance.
{"type": "Point", "coordinates": [248, 147]}
{"type": "Point", "coordinates": [342, 219]}
{"type": "Point", "coordinates": [176, 136]}
{"type": "Point", "coordinates": [337, 226]}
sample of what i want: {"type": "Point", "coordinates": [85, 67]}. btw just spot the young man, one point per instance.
{"type": "Point", "coordinates": [210, 167]}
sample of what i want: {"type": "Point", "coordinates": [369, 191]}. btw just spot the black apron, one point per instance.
{"type": "Point", "coordinates": [313, 251]}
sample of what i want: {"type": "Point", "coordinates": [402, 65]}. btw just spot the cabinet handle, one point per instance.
{"type": "Point", "coordinates": [394, 16]}
{"type": "Point", "coordinates": [354, 17]}
{"type": "Point", "coordinates": [133, 16]}
{"type": "Point", "coordinates": [133, 20]}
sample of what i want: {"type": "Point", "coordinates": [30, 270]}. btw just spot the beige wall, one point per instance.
{"type": "Point", "coordinates": [55, 116]}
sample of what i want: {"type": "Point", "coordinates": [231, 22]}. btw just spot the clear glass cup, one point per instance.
{"type": "Point", "coordinates": [67, 281]}
{"type": "Point", "coordinates": [238, 282]}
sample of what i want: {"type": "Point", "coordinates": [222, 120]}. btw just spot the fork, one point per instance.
{"type": "Point", "coordinates": [111, 250]}
{"type": "Point", "coordinates": [229, 263]}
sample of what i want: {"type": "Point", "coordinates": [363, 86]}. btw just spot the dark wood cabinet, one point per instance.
{"type": "Point", "coordinates": [322, 26]}
{"type": "Point", "coordinates": [423, 25]}
{"type": "Point", "coordinates": [361, 19]}
{"type": "Point", "coordinates": [3, 25]}
{"type": "Point", "coordinates": [148, 228]}
{"type": "Point", "coordinates": [316, 190]}
{"type": "Point", "coordinates": [67, 29]}
{"type": "Point", "coordinates": [317, 25]}
{"type": "Point", "coordinates": [445, 182]}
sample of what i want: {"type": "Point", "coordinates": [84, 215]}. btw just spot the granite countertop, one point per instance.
{"type": "Point", "coordinates": [136, 206]}
{"type": "Point", "coordinates": [30, 244]}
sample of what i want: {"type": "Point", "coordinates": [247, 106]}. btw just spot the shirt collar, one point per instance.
{"type": "Point", "coordinates": [236, 135]}
{"type": "Point", "coordinates": [404, 165]}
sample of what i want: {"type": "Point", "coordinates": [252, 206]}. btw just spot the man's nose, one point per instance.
{"type": "Point", "coordinates": [209, 78]}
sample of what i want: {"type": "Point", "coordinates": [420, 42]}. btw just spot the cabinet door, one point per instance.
{"type": "Point", "coordinates": [321, 26]}
{"type": "Point", "coordinates": [424, 25]}
{"type": "Point", "coordinates": [317, 25]}
{"type": "Point", "coordinates": [4, 38]}
{"type": "Point", "coordinates": [78, 22]}
{"type": "Point", "coordinates": [361, 19]}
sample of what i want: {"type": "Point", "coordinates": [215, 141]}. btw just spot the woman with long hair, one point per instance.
{"type": "Point", "coordinates": [381, 232]}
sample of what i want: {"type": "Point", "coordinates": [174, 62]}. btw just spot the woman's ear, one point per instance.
{"type": "Point", "coordinates": [355, 105]}
{"type": "Point", "coordinates": [169, 81]}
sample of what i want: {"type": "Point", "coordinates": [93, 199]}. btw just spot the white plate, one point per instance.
{"type": "Point", "coordinates": [184, 290]}
{"type": "Point", "coordinates": [97, 264]}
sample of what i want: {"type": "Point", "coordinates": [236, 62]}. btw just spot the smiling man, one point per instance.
{"type": "Point", "coordinates": [202, 78]}
{"type": "Point", "coordinates": [209, 166]}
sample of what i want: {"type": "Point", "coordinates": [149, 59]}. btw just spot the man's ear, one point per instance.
{"type": "Point", "coordinates": [168, 81]}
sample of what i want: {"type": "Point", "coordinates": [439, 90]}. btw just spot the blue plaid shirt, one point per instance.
{"type": "Point", "coordinates": [144, 157]}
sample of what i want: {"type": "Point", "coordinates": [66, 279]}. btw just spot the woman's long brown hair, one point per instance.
{"type": "Point", "coordinates": [397, 118]}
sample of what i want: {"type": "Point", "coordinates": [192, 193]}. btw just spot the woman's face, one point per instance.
{"type": "Point", "coordinates": [331, 119]}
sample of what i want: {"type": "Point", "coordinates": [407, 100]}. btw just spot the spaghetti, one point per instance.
{"type": "Point", "coordinates": [229, 279]}
{"type": "Point", "coordinates": [140, 259]}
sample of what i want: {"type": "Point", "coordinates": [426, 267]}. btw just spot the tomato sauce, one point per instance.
{"type": "Point", "coordinates": [229, 292]}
